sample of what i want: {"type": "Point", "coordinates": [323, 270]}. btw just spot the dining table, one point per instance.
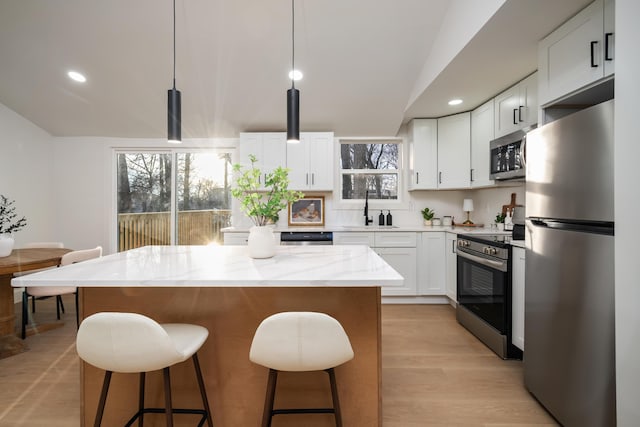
{"type": "Point", "coordinates": [20, 260]}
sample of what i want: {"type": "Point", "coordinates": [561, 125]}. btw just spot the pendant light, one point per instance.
{"type": "Point", "coordinates": [174, 114]}
{"type": "Point", "coordinates": [293, 94]}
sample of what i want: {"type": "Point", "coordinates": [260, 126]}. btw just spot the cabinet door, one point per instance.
{"type": "Point", "coordinates": [451, 259]}
{"type": "Point", "coordinates": [423, 154]}
{"type": "Point", "coordinates": [269, 149]}
{"type": "Point", "coordinates": [431, 269]}
{"type": "Point", "coordinates": [572, 56]}
{"type": "Point", "coordinates": [481, 134]}
{"type": "Point", "coordinates": [320, 149]}
{"type": "Point", "coordinates": [517, 298]}
{"type": "Point", "coordinates": [609, 37]}
{"type": "Point", "coordinates": [236, 239]}
{"type": "Point", "coordinates": [403, 260]}
{"type": "Point", "coordinates": [397, 239]}
{"type": "Point", "coordinates": [506, 112]}
{"type": "Point", "coordinates": [528, 108]}
{"type": "Point", "coordinates": [454, 151]}
{"type": "Point", "coordinates": [298, 165]}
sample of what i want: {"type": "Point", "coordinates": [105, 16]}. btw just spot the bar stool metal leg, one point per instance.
{"type": "Point", "coordinates": [334, 396]}
{"type": "Point", "coordinates": [167, 397]}
{"type": "Point", "coordinates": [269, 398]}
{"type": "Point", "coordinates": [103, 398]}
{"type": "Point", "coordinates": [141, 400]}
{"type": "Point", "coordinates": [203, 391]}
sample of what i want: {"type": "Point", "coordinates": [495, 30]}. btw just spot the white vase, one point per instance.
{"type": "Point", "coordinates": [426, 222]}
{"type": "Point", "coordinates": [262, 242]}
{"type": "Point", "coordinates": [500, 226]}
{"type": "Point", "coordinates": [6, 244]}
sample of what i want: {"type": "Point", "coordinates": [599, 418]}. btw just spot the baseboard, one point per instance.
{"type": "Point", "coordinates": [416, 300]}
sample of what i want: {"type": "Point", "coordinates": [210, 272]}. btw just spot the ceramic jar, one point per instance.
{"type": "Point", "coordinates": [262, 242]}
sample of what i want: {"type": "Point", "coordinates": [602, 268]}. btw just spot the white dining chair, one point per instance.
{"type": "Point", "coordinates": [57, 291]}
{"type": "Point", "coordinates": [37, 245]}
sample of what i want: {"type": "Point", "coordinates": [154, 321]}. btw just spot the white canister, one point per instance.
{"type": "Point", "coordinates": [447, 221]}
{"type": "Point", "coordinates": [436, 221]}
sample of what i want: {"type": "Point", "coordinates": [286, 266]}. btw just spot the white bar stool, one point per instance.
{"type": "Point", "coordinates": [298, 342]}
{"type": "Point", "coordinates": [130, 342]}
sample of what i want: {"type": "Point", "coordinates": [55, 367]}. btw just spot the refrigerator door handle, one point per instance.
{"type": "Point", "coordinates": [596, 227]}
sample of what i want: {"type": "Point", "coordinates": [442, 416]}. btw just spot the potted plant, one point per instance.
{"type": "Point", "coordinates": [262, 206]}
{"type": "Point", "coordinates": [9, 223]}
{"type": "Point", "coordinates": [500, 221]}
{"type": "Point", "coordinates": [427, 215]}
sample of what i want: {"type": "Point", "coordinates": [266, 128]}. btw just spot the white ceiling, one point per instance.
{"type": "Point", "coordinates": [370, 65]}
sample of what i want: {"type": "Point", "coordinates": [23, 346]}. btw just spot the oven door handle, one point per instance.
{"type": "Point", "coordinates": [486, 262]}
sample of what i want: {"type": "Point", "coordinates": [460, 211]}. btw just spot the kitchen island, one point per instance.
{"type": "Point", "coordinates": [221, 288]}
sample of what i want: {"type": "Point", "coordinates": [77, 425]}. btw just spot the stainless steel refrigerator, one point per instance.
{"type": "Point", "coordinates": [569, 355]}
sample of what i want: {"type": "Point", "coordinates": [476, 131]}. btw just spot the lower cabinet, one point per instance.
{"type": "Point", "coordinates": [398, 249]}
{"type": "Point", "coordinates": [451, 259]}
{"type": "Point", "coordinates": [517, 297]}
{"type": "Point", "coordinates": [431, 269]}
{"type": "Point", "coordinates": [236, 239]}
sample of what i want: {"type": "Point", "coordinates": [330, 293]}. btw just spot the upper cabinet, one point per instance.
{"type": "Point", "coordinates": [482, 133]}
{"type": "Point", "coordinates": [311, 162]}
{"type": "Point", "coordinates": [423, 154]}
{"type": "Point", "coordinates": [580, 52]}
{"type": "Point", "coordinates": [439, 152]}
{"type": "Point", "coordinates": [454, 151]}
{"type": "Point", "coordinates": [517, 107]}
{"type": "Point", "coordinates": [270, 148]}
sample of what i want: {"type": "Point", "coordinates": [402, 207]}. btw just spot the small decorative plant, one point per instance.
{"type": "Point", "coordinates": [427, 214]}
{"type": "Point", "coordinates": [263, 206]}
{"type": "Point", "coordinates": [9, 221]}
{"type": "Point", "coordinates": [500, 218]}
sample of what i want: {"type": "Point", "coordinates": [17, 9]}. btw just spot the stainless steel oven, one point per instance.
{"type": "Point", "coordinates": [484, 291]}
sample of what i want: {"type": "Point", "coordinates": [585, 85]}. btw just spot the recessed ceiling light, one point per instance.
{"type": "Point", "coordinates": [295, 75]}
{"type": "Point", "coordinates": [455, 102]}
{"type": "Point", "coordinates": [76, 76]}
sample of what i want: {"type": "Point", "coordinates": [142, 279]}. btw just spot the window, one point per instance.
{"type": "Point", "coordinates": [370, 166]}
{"type": "Point", "coordinates": [159, 204]}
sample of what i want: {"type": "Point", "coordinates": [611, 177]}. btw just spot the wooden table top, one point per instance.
{"type": "Point", "coordinates": [31, 259]}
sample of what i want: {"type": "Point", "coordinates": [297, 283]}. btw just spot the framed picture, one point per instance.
{"type": "Point", "coordinates": [307, 211]}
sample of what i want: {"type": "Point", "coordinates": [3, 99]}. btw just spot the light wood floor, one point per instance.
{"type": "Point", "coordinates": [434, 373]}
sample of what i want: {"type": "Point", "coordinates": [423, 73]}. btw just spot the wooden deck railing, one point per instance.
{"type": "Point", "coordinates": [153, 228]}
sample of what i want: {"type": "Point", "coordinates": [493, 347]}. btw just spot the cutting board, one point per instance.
{"type": "Point", "coordinates": [508, 209]}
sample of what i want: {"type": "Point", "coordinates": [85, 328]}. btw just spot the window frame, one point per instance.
{"type": "Point", "coordinates": [354, 204]}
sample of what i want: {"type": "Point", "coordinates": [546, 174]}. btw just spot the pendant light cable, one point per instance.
{"type": "Point", "coordinates": [174, 110]}
{"type": "Point", "coordinates": [293, 94]}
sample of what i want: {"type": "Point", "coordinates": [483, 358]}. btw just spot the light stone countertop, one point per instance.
{"type": "Point", "coordinates": [377, 228]}
{"type": "Point", "coordinates": [224, 266]}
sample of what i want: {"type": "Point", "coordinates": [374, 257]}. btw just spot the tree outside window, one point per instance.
{"type": "Point", "coordinates": [372, 167]}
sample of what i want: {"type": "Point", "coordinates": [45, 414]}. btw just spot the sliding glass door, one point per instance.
{"type": "Point", "coordinates": [172, 197]}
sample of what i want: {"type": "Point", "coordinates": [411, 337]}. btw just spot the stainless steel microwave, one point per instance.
{"type": "Point", "coordinates": [507, 153]}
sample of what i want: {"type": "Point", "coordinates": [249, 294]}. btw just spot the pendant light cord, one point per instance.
{"type": "Point", "coordinates": [174, 44]}
{"type": "Point", "coordinates": [293, 43]}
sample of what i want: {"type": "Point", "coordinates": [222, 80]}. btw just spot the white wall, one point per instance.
{"type": "Point", "coordinates": [25, 174]}
{"type": "Point", "coordinates": [627, 207]}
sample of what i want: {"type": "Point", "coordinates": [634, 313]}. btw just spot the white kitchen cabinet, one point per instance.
{"type": "Point", "coordinates": [423, 154]}
{"type": "Point", "coordinates": [517, 297]}
{"type": "Point", "coordinates": [310, 162]}
{"type": "Point", "coordinates": [578, 53]}
{"type": "Point", "coordinates": [403, 260]}
{"type": "Point", "coordinates": [397, 248]}
{"type": "Point", "coordinates": [270, 148]}
{"type": "Point", "coordinates": [517, 107]}
{"type": "Point", "coordinates": [454, 151]}
{"type": "Point", "coordinates": [242, 239]}
{"type": "Point", "coordinates": [431, 269]}
{"type": "Point", "coordinates": [482, 133]}
{"type": "Point", "coordinates": [451, 259]}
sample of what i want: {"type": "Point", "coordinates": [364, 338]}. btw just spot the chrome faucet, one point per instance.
{"type": "Point", "coordinates": [367, 220]}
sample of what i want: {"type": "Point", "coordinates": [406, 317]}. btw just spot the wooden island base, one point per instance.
{"type": "Point", "coordinates": [235, 386]}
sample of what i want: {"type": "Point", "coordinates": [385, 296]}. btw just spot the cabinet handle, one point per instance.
{"type": "Point", "coordinates": [453, 246]}
{"type": "Point", "coordinates": [313, 178]}
{"type": "Point", "coordinates": [439, 177]}
{"type": "Point", "coordinates": [607, 37]}
{"type": "Point", "coordinates": [471, 175]}
{"type": "Point", "coordinates": [306, 178]}
{"type": "Point", "coordinates": [417, 177]}
{"type": "Point", "coordinates": [259, 179]}
{"type": "Point", "coordinates": [593, 55]}
{"type": "Point", "coordinates": [520, 113]}
{"type": "Point", "coordinates": [515, 111]}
